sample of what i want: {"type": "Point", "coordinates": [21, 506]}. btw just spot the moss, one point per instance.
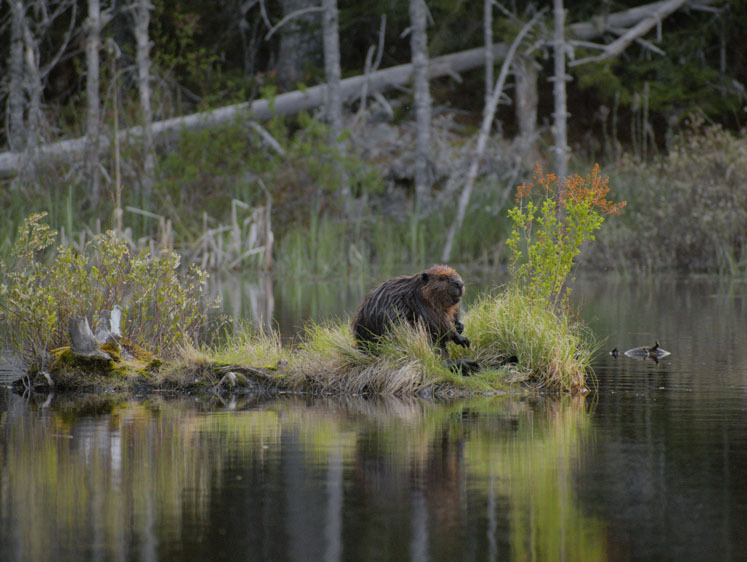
{"type": "Point", "coordinates": [65, 360]}
{"type": "Point", "coordinates": [112, 349]}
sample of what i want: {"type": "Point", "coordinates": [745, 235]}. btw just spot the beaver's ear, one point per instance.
{"type": "Point", "coordinates": [424, 277]}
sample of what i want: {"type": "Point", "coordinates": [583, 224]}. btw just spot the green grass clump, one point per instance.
{"type": "Point", "coordinates": [329, 361]}
{"type": "Point", "coordinates": [404, 362]}
{"type": "Point", "coordinates": [551, 350]}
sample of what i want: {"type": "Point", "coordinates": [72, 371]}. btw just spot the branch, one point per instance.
{"type": "Point", "coordinates": [643, 27]}
{"type": "Point", "coordinates": [46, 69]}
{"type": "Point", "coordinates": [291, 16]}
{"type": "Point", "coordinates": [482, 138]}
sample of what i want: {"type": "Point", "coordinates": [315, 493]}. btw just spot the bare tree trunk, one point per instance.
{"type": "Point", "coordinates": [16, 131]}
{"type": "Point", "coordinates": [525, 105]}
{"type": "Point", "coordinates": [299, 43]}
{"type": "Point", "coordinates": [330, 17]}
{"type": "Point", "coordinates": [33, 86]}
{"type": "Point", "coordinates": [482, 138]}
{"type": "Point", "coordinates": [93, 44]}
{"type": "Point", "coordinates": [419, 50]}
{"type": "Point", "coordinates": [560, 116]}
{"type": "Point", "coordinates": [142, 10]}
{"type": "Point", "coordinates": [489, 58]}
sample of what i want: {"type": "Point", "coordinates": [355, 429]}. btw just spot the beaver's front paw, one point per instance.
{"type": "Point", "coordinates": [461, 340]}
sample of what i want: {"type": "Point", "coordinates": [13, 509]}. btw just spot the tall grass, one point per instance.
{"type": "Point", "coordinates": [549, 349]}
{"type": "Point", "coordinates": [514, 338]}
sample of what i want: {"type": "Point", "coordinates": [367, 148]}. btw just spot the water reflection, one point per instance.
{"type": "Point", "coordinates": [292, 479]}
{"type": "Point", "coordinates": [650, 467]}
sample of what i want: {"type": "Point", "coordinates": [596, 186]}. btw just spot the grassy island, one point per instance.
{"type": "Point", "coordinates": [148, 317]}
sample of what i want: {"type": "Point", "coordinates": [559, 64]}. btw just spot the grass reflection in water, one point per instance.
{"type": "Point", "coordinates": [289, 479]}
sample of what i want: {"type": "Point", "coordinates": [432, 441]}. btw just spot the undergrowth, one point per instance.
{"type": "Point", "coordinates": [687, 211]}
{"type": "Point", "coordinates": [43, 287]}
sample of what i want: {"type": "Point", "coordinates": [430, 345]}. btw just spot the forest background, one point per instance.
{"type": "Point", "coordinates": [415, 171]}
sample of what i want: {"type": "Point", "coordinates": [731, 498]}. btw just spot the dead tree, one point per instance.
{"type": "Point", "coordinates": [560, 115]}
{"type": "Point", "coordinates": [330, 18]}
{"type": "Point", "coordinates": [141, 15]}
{"type": "Point", "coordinates": [16, 131]}
{"type": "Point", "coordinates": [288, 103]}
{"type": "Point", "coordinates": [93, 44]}
{"type": "Point", "coordinates": [489, 58]}
{"type": "Point", "coordinates": [526, 99]}
{"type": "Point", "coordinates": [419, 54]}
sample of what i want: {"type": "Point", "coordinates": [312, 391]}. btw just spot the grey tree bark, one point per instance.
{"type": "Point", "coordinates": [560, 116]}
{"type": "Point", "coordinates": [93, 45]}
{"type": "Point", "coordinates": [419, 50]}
{"type": "Point", "coordinates": [15, 123]}
{"type": "Point", "coordinates": [489, 58]}
{"type": "Point", "coordinates": [299, 48]}
{"type": "Point", "coordinates": [141, 15]}
{"type": "Point", "coordinates": [33, 86]}
{"type": "Point", "coordinates": [525, 106]}
{"type": "Point", "coordinates": [330, 17]}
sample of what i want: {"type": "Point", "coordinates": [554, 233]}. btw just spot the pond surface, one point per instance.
{"type": "Point", "coordinates": [652, 466]}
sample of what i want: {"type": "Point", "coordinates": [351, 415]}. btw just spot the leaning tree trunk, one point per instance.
{"type": "Point", "coordinates": [330, 16]}
{"type": "Point", "coordinates": [93, 44]}
{"type": "Point", "coordinates": [16, 131]}
{"type": "Point", "coordinates": [482, 138]}
{"type": "Point", "coordinates": [561, 115]}
{"type": "Point", "coordinates": [288, 103]}
{"type": "Point", "coordinates": [419, 50]}
{"type": "Point", "coordinates": [142, 20]}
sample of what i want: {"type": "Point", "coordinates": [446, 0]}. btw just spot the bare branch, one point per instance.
{"type": "Point", "coordinates": [641, 28]}
{"type": "Point", "coordinates": [291, 16]}
{"type": "Point", "coordinates": [51, 64]}
{"type": "Point", "coordinates": [483, 136]}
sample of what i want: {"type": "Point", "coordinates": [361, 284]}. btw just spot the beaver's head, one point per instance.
{"type": "Point", "coordinates": [442, 286]}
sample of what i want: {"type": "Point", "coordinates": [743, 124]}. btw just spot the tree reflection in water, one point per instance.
{"type": "Point", "coordinates": [295, 479]}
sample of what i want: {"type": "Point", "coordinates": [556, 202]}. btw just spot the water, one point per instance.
{"type": "Point", "coordinates": [650, 467]}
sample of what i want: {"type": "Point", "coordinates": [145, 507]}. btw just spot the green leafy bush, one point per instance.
{"type": "Point", "coordinates": [39, 293]}
{"type": "Point", "coordinates": [552, 219]}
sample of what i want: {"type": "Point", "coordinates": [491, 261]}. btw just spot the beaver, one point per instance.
{"type": "Point", "coordinates": [430, 298]}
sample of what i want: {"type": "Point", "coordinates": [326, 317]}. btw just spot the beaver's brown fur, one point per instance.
{"type": "Point", "coordinates": [430, 298]}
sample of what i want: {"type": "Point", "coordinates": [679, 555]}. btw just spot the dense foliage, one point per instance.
{"type": "Point", "coordinates": [688, 208]}
{"type": "Point", "coordinates": [551, 220]}
{"type": "Point", "coordinates": [162, 309]}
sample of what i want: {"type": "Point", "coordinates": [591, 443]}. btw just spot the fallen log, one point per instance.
{"type": "Point", "coordinates": [262, 109]}
{"type": "Point", "coordinates": [309, 98]}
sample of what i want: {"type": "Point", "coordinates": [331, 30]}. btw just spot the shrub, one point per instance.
{"type": "Point", "coordinates": [688, 209]}
{"type": "Point", "coordinates": [551, 220]}
{"type": "Point", "coordinates": [161, 308]}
